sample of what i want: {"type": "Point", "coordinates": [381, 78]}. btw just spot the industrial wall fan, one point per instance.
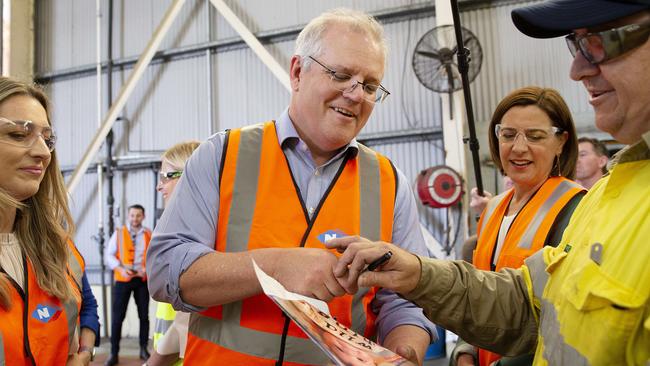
{"type": "Point", "coordinates": [434, 59]}
{"type": "Point", "coordinates": [439, 186]}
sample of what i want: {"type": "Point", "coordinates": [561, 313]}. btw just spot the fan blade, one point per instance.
{"type": "Point", "coordinates": [429, 54]}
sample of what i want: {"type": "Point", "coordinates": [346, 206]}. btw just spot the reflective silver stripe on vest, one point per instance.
{"type": "Point", "coordinates": [370, 220]}
{"type": "Point", "coordinates": [538, 274]}
{"type": "Point", "coordinates": [556, 350]}
{"type": "Point", "coordinates": [244, 189]}
{"type": "Point", "coordinates": [491, 206]}
{"type": "Point", "coordinates": [3, 362]}
{"type": "Point", "coordinates": [370, 194]}
{"type": "Point", "coordinates": [162, 326]}
{"type": "Point", "coordinates": [255, 343]}
{"type": "Point", "coordinates": [527, 238]}
{"type": "Point", "coordinates": [75, 267]}
{"type": "Point", "coordinates": [72, 315]}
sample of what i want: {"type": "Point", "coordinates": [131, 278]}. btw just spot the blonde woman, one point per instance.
{"type": "Point", "coordinates": [170, 331]}
{"type": "Point", "coordinates": [40, 272]}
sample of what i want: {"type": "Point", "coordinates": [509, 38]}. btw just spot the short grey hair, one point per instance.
{"type": "Point", "coordinates": [309, 41]}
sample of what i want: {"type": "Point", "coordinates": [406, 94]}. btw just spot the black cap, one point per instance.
{"type": "Point", "coordinates": [556, 18]}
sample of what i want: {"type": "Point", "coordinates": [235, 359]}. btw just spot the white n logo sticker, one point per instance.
{"type": "Point", "coordinates": [43, 313]}
{"type": "Point", "coordinates": [329, 236]}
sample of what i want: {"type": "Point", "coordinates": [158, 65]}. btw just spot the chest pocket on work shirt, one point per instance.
{"type": "Point", "coordinates": [600, 311]}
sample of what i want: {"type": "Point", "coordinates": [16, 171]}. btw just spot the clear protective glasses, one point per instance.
{"type": "Point", "coordinates": [599, 47]}
{"type": "Point", "coordinates": [165, 177]}
{"type": "Point", "coordinates": [534, 136]}
{"type": "Point", "coordinates": [25, 133]}
{"type": "Point", "coordinates": [373, 93]}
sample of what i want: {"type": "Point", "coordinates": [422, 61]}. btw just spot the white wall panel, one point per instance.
{"type": "Point", "coordinates": [135, 21]}
{"type": "Point", "coordinates": [245, 91]}
{"type": "Point", "coordinates": [74, 116]}
{"type": "Point", "coordinates": [65, 33]}
{"type": "Point", "coordinates": [263, 16]}
{"type": "Point", "coordinates": [168, 105]}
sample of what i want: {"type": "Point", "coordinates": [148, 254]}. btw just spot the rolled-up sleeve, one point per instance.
{"type": "Point", "coordinates": [393, 310]}
{"type": "Point", "coordinates": [186, 231]}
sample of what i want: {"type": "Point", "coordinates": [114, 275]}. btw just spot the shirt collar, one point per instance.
{"type": "Point", "coordinates": [635, 152]}
{"type": "Point", "coordinates": [288, 136]}
{"type": "Point", "coordinates": [141, 229]}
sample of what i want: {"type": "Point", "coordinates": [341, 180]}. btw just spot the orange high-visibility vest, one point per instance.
{"type": "Point", "coordinates": [126, 251]}
{"type": "Point", "coordinates": [526, 234]}
{"type": "Point", "coordinates": [43, 320]}
{"type": "Point", "coordinates": [260, 207]}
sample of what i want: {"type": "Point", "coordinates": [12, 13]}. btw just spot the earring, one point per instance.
{"type": "Point", "coordinates": [557, 159]}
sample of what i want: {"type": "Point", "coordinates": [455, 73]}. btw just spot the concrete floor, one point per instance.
{"type": "Point", "coordinates": [129, 352]}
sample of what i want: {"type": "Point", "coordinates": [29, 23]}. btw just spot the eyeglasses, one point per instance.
{"type": "Point", "coordinates": [343, 82]}
{"type": "Point", "coordinates": [535, 136]}
{"type": "Point", "coordinates": [165, 177]}
{"type": "Point", "coordinates": [25, 133]}
{"type": "Point", "coordinates": [598, 47]}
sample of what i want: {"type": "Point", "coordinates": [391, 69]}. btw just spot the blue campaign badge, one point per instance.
{"type": "Point", "coordinates": [46, 313]}
{"type": "Point", "coordinates": [330, 234]}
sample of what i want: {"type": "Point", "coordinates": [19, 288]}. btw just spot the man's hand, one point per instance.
{"type": "Point", "coordinates": [401, 273]}
{"type": "Point", "coordinates": [126, 273]}
{"type": "Point", "coordinates": [141, 273]}
{"type": "Point", "coordinates": [309, 272]}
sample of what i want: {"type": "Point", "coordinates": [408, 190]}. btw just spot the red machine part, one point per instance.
{"type": "Point", "coordinates": [439, 186]}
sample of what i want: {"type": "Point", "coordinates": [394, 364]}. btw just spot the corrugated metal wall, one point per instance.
{"type": "Point", "coordinates": [171, 102]}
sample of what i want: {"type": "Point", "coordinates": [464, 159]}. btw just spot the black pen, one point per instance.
{"type": "Point", "coordinates": [378, 262]}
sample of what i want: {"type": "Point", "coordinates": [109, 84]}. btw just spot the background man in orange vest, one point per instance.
{"type": "Point", "coordinates": [125, 255]}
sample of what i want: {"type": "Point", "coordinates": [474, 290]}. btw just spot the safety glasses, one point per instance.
{"type": "Point", "coordinates": [599, 47]}
{"type": "Point", "coordinates": [25, 133]}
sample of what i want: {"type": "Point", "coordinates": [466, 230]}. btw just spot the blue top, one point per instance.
{"type": "Point", "coordinates": [178, 241]}
{"type": "Point", "coordinates": [88, 317]}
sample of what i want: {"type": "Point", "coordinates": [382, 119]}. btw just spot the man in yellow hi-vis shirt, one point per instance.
{"type": "Point", "coordinates": [586, 301]}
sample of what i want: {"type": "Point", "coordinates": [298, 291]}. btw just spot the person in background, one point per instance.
{"type": "Point", "coordinates": [170, 329]}
{"type": "Point", "coordinates": [592, 161]}
{"type": "Point", "coordinates": [534, 144]}
{"type": "Point", "coordinates": [125, 255]}
{"type": "Point", "coordinates": [40, 271]}
{"type": "Point", "coordinates": [274, 192]}
{"type": "Point", "coordinates": [587, 301]}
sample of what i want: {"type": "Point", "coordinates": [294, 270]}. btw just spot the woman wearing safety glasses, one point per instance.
{"type": "Point", "coordinates": [170, 334]}
{"type": "Point", "coordinates": [41, 273]}
{"type": "Point", "coordinates": [533, 142]}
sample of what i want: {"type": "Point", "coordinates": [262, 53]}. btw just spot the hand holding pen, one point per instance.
{"type": "Point", "coordinates": [388, 266]}
{"type": "Point", "coordinates": [378, 262]}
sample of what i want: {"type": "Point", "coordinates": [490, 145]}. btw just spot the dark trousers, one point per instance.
{"type": "Point", "coordinates": [121, 295]}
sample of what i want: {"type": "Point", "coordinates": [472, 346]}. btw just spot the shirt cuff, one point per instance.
{"type": "Point", "coordinates": [395, 311]}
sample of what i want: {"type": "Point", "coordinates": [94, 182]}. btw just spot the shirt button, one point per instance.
{"type": "Point", "coordinates": [317, 172]}
{"type": "Point", "coordinates": [311, 210]}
